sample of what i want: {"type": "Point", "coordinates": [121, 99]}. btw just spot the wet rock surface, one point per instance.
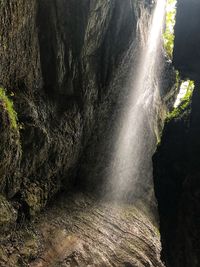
{"type": "Point", "coordinates": [56, 61]}
{"type": "Point", "coordinates": [64, 65]}
{"type": "Point", "coordinates": [65, 75]}
{"type": "Point", "coordinates": [81, 231]}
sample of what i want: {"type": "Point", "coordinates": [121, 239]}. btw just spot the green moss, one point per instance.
{"type": "Point", "coordinates": [9, 108]}
{"type": "Point", "coordinates": [185, 103]}
{"type": "Point", "coordinates": [168, 35]}
{"type": "Point", "coordinates": [176, 112]}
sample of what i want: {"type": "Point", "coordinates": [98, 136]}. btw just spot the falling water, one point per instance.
{"type": "Point", "coordinates": [131, 155]}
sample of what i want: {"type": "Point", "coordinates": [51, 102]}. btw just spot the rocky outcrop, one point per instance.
{"type": "Point", "coordinates": [176, 162]}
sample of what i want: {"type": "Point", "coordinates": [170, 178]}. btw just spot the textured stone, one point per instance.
{"type": "Point", "coordinates": [80, 231]}
{"type": "Point", "coordinates": [8, 214]}
{"type": "Point", "coordinates": [65, 62]}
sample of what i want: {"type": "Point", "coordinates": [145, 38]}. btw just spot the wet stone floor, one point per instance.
{"type": "Point", "coordinates": [81, 231]}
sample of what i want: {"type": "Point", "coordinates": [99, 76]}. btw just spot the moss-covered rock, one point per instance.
{"type": "Point", "coordinates": [8, 215]}
{"type": "Point", "coordinates": [30, 245]}
{"type": "Point", "coordinates": [35, 197]}
{"type": "Point", "coordinates": [10, 148]}
{"type": "Point", "coordinates": [9, 108]}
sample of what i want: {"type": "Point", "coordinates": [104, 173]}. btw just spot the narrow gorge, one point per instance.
{"type": "Point", "coordinates": [99, 123]}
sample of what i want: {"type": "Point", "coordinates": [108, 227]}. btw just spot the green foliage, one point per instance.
{"type": "Point", "coordinates": [168, 35]}
{"type": "Point", "coordinates": [185, 103]}
{"type": "Point", "coordinates": [176, 112]}
{"type": "Point", "coordinates": [9, 108]}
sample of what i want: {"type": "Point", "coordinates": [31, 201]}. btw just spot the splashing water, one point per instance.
{"type": "Point", "coordinates": [131, 153]}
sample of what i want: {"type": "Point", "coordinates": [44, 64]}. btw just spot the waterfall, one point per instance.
{"type": "Point", "coordinates": [134, 140]}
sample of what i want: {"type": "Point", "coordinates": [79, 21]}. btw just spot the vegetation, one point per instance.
{"type": "Point", "coordinates": [186, 87]}
{"type": "Point", "coordinates": [9, 108]}
{"type": "Point", "coordinates": [168, 35]}
{"type": "Point", "coordinates": [184, 102]}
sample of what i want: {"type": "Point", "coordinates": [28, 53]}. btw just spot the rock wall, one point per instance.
{"type": "Point", "coordinates": [177, 161]}
{"type": "Point", "coordinates": [63, 64]}
{"type": "Point", "coordinates": [59, 61]}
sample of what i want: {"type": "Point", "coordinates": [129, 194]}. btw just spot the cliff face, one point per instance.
{"type": "Point", "coordinates": [176, 162]}
{"type": "Point", "coordinates": [63, 64]}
